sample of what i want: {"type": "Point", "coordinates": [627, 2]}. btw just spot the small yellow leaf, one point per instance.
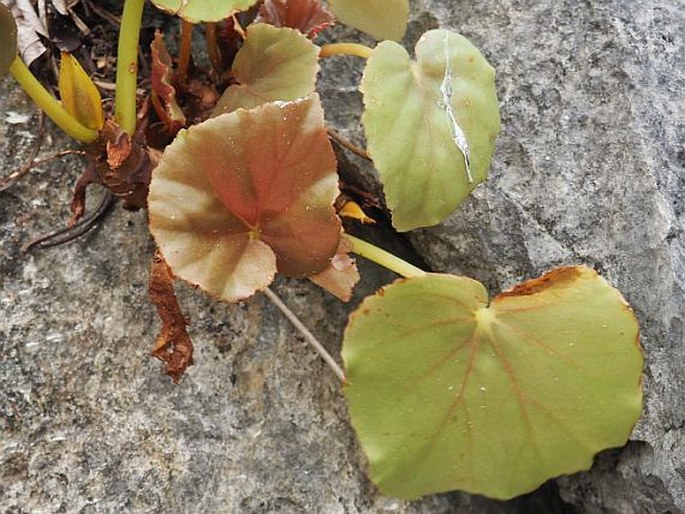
{"type": "Point", "coordinates": [79, 95]}
{"type": "Point", "coordinates": [352, 210]}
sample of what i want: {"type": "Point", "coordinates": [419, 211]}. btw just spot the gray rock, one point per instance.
{"type": "Point", "coordinates": [589, 169]}
{"type": "Point", "coordinates": [88, 421]}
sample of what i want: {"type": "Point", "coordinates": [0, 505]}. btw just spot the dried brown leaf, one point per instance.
{"type": "Point", "coordinates": [30, 28]}
{"type": "Point", "coordinates": [119, 163]}
{"type": "Point", "coordinates": [173, 345]}
{"type": "Point", "coordinates": [162, 86]}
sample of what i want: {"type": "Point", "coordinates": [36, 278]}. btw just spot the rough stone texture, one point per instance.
{"type": "Point", "coordinates": [588, 169]}
{"type": "Point", "coordinates": [88, 422]}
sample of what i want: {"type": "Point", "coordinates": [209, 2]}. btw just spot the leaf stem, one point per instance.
{"type": "Point", "coordinates": [357, 49]}
{"type": "Point", "coordinates": [49, 103]}
{"type": "Point", "coordinates": [127, 66]}
{"type": "Point", "coordinates": [184, 50]}
{"type": "Point", "coordinates": [306, 333]}
{"type": "Point", "coordinates": [385, 259]}
{"type": "Point", "coordinates": [346, 143]}
{"type": "Point", "coordinates": [67, 234]}
{"type": "Point", "coordinates": [213, 49]}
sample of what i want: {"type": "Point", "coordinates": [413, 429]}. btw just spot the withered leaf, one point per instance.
{"type": "Point", "coordinates": [164, 93]}
{"type": "Point", "coordinates": [29, 29]}
{"type": "Point", "coordinates": [119, 163]}
{"type": "Point", "coordinates": [308, 16]}
{"type": "Point", "coordinates": [173, 345]}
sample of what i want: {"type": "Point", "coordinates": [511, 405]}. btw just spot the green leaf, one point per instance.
{"type": "Point", "coordinates": [383, 19]}
{"type": "Point", "coordinates": [239, 196]}
{"type": "Point", "coordinates": [422, 118]}
{"type": "Point", "coordinates": [274, 64]}
{"type": "Point", "coordinates": [8, 39]}
{"type": "Point", "coordinates": [447, 392]}
{"type": "Point", "coordinates": [196, 11]}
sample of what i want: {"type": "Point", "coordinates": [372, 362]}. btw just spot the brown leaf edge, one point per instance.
{"type": "Point", "coordinates": [163, 91]}
{"type": "Point", "coordinates": [341, 275]}
{"type": "Point", "coordinates": [173, 345]}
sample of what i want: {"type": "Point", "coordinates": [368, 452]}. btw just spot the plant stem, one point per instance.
{"type": "Point", "coordinates": [49, 103]}
{"type": "Point", "coordinates": [184, 51]}
{"type": "Point", "coordinates": [362, 51]}
{"type": "Point", "coordinates": [306, 333]}
{"type": "Point", "coordinates": [385, 259]}
{"type": "Point", "coordinates": [125, 99]}
{"type": "Point", "coordinates": [346, 143]}
{"type": "Point", "coordinates": [67, 234]}
{"type": "Point", "coordinates": [213, 49]}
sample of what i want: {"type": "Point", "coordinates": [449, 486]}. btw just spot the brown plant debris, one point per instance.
{"type": "Point", "coordinates": [173, 345]}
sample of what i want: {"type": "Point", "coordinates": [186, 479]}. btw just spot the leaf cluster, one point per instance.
{"type": "Point", "coordinates": [446, 388]}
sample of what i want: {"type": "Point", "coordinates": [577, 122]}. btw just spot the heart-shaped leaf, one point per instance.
{"type": "Point", "coordinates": [307, 16]}
{"type": "Point", "coordinates": [8, 39]}
{"type": "Point", "coordinates": [430, 124]}
{"type": "Point", "coordinates": [238, 196]}
{"type": "Point", "coordinates": [196, 11]}
{"type": "Point", "coordinates": [447, 392]}
{"type": "Point", "coordinates": [383, 19]}
{"type": "Point", "coordinates": [274, 64]}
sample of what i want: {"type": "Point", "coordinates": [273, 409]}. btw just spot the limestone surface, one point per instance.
{"type": "Point", "coordinates": [589, 169]}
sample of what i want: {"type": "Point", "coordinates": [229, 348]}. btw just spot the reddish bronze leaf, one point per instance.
{"type": "Point", "coordinates": [173, 345]}
{"type": "Point", "coordinates": [238, 196]}
{"type": "Point", "coordinates": [163, 91]}
{"type": "Point", "coordinates": [307, 16]}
